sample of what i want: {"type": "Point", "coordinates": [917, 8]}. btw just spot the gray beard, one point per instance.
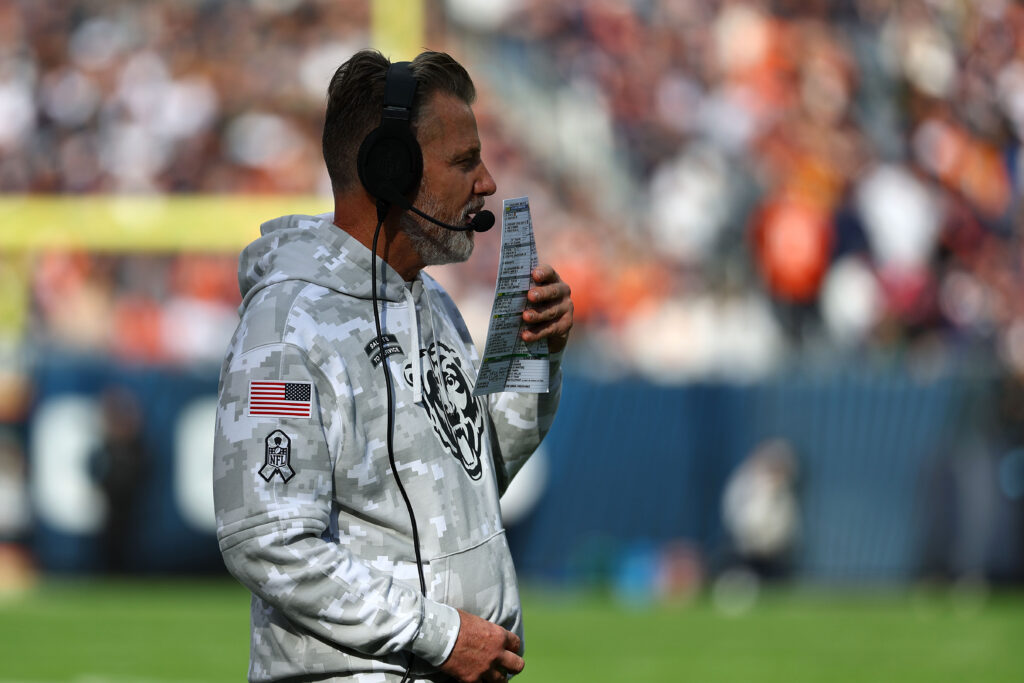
{"type": "Point", "coordinates": [436, 245]}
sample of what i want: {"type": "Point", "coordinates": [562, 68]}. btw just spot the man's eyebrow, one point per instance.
{"type": "Point", "coordinates": [467, 154]}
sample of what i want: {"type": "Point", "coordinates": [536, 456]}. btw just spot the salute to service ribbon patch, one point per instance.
{"type": "Point", "coordinates": [278, 460]}
{"type": "Point", "coordinates": [280, 399]}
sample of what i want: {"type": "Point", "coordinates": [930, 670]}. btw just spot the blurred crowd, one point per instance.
{"type": "Point", "coordinates": [802, 176]}
{"type": "Point", "coordinates": [728, 185]}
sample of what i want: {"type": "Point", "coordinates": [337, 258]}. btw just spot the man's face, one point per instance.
{"type": "Point", "coordinates": [455, 181]}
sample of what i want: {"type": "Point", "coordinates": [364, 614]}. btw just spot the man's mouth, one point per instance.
{"type": "Point", "coordinates": [470, 213]}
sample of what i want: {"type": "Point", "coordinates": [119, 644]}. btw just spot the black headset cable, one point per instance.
{"type": "Point", "coordinates": [382, 210]}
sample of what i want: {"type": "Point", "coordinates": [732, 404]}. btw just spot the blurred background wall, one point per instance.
{"type": "Point", "coordinates": [792, 230]}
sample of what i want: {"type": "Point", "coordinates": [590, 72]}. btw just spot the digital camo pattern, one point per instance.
{"type": "Point", "coordinates": [327, 554]}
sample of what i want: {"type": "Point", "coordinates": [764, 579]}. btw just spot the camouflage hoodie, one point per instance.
{"type": "Point", "coordinates": [309, 516]}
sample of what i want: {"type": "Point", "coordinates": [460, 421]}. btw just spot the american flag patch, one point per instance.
{"type": "Point", "coordinates": [280, 399]}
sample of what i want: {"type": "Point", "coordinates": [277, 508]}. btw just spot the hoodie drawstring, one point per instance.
{"type": "Point", "coordinates": [437, 337]}
{"type": "Point", "coordinates": [414, 359]}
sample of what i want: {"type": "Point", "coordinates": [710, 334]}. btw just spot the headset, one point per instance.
{"type": "Point", "coordinates": [390, 161]}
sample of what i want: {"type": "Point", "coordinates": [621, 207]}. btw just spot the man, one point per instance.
{"type": "Point", "coordinates": [312, 516]}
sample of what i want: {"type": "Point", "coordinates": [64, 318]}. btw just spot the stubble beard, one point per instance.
{"type": "Point", "coordinates": [436, 245]}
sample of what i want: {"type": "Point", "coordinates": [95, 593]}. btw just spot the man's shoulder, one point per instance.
{"type": "Point", "coordinates": [285, 311]}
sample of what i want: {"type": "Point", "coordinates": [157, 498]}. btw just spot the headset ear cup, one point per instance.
{"type": "Point", "coordinates": [390, 161]}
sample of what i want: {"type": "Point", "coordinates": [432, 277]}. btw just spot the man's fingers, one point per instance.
{"type": "Point", "coordinates": [545, 312]}
{"type": "Point", "coordinates": [511, 662]}
{"type": "Point", "coordinates": [512, 642]}
{"type": "Point", "coordinates": [548, 315]}
{"type": "Point", "coordinates": [544, 273]}
{"type": "Point", "coordinates": [554, 292]}
{"type": "Point", "coordinates": [549, 311]}
{"type": "Point", "coordinates": [483, 652]}
{"type": "Point", "coordinates": [536, 332]}
{"type": "Point", "coordinates": [550, 286]}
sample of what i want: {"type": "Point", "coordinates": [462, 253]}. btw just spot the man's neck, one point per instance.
{"type": "Point", "coordinates": [393, 245]}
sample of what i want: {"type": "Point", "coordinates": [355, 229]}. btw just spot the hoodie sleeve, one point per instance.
{"type": "Point", "coordinates": [273, 485]}
{"type": "Point", "coordinates": [521, 421]}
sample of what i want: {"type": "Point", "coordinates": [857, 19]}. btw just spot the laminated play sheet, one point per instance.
{"type": "Point", "coordinates": [509, 363]}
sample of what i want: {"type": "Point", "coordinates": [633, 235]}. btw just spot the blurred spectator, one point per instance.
{"type": "Point", "coordinates": [760, 510]}
{"type": "Point", "coordinates": [119, 466]}
{"type": "Point", "coordinates": [973, 506]}
{"type": "Point", "coordinates": [14, 508]}
{"type": "Point", "coordinates": [17, 567]}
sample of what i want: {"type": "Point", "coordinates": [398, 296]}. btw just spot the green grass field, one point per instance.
{"type": "Point", "coordinates": [179, 631]}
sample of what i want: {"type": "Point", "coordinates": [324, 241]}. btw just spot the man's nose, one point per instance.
{"type": "Point", "coordinates": [485, 184]}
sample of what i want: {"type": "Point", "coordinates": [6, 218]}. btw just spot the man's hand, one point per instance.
{"type": "Point", "coordinates": [549, 311]}
{"type": "Point", "coordinates": [483, 652]}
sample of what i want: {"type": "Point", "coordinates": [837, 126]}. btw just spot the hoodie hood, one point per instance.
{"type": "Point", "coordinates": [312, 249]}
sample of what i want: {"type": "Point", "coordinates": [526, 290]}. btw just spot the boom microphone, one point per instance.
{"type": "Point", "coordinates": [481, 222]}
